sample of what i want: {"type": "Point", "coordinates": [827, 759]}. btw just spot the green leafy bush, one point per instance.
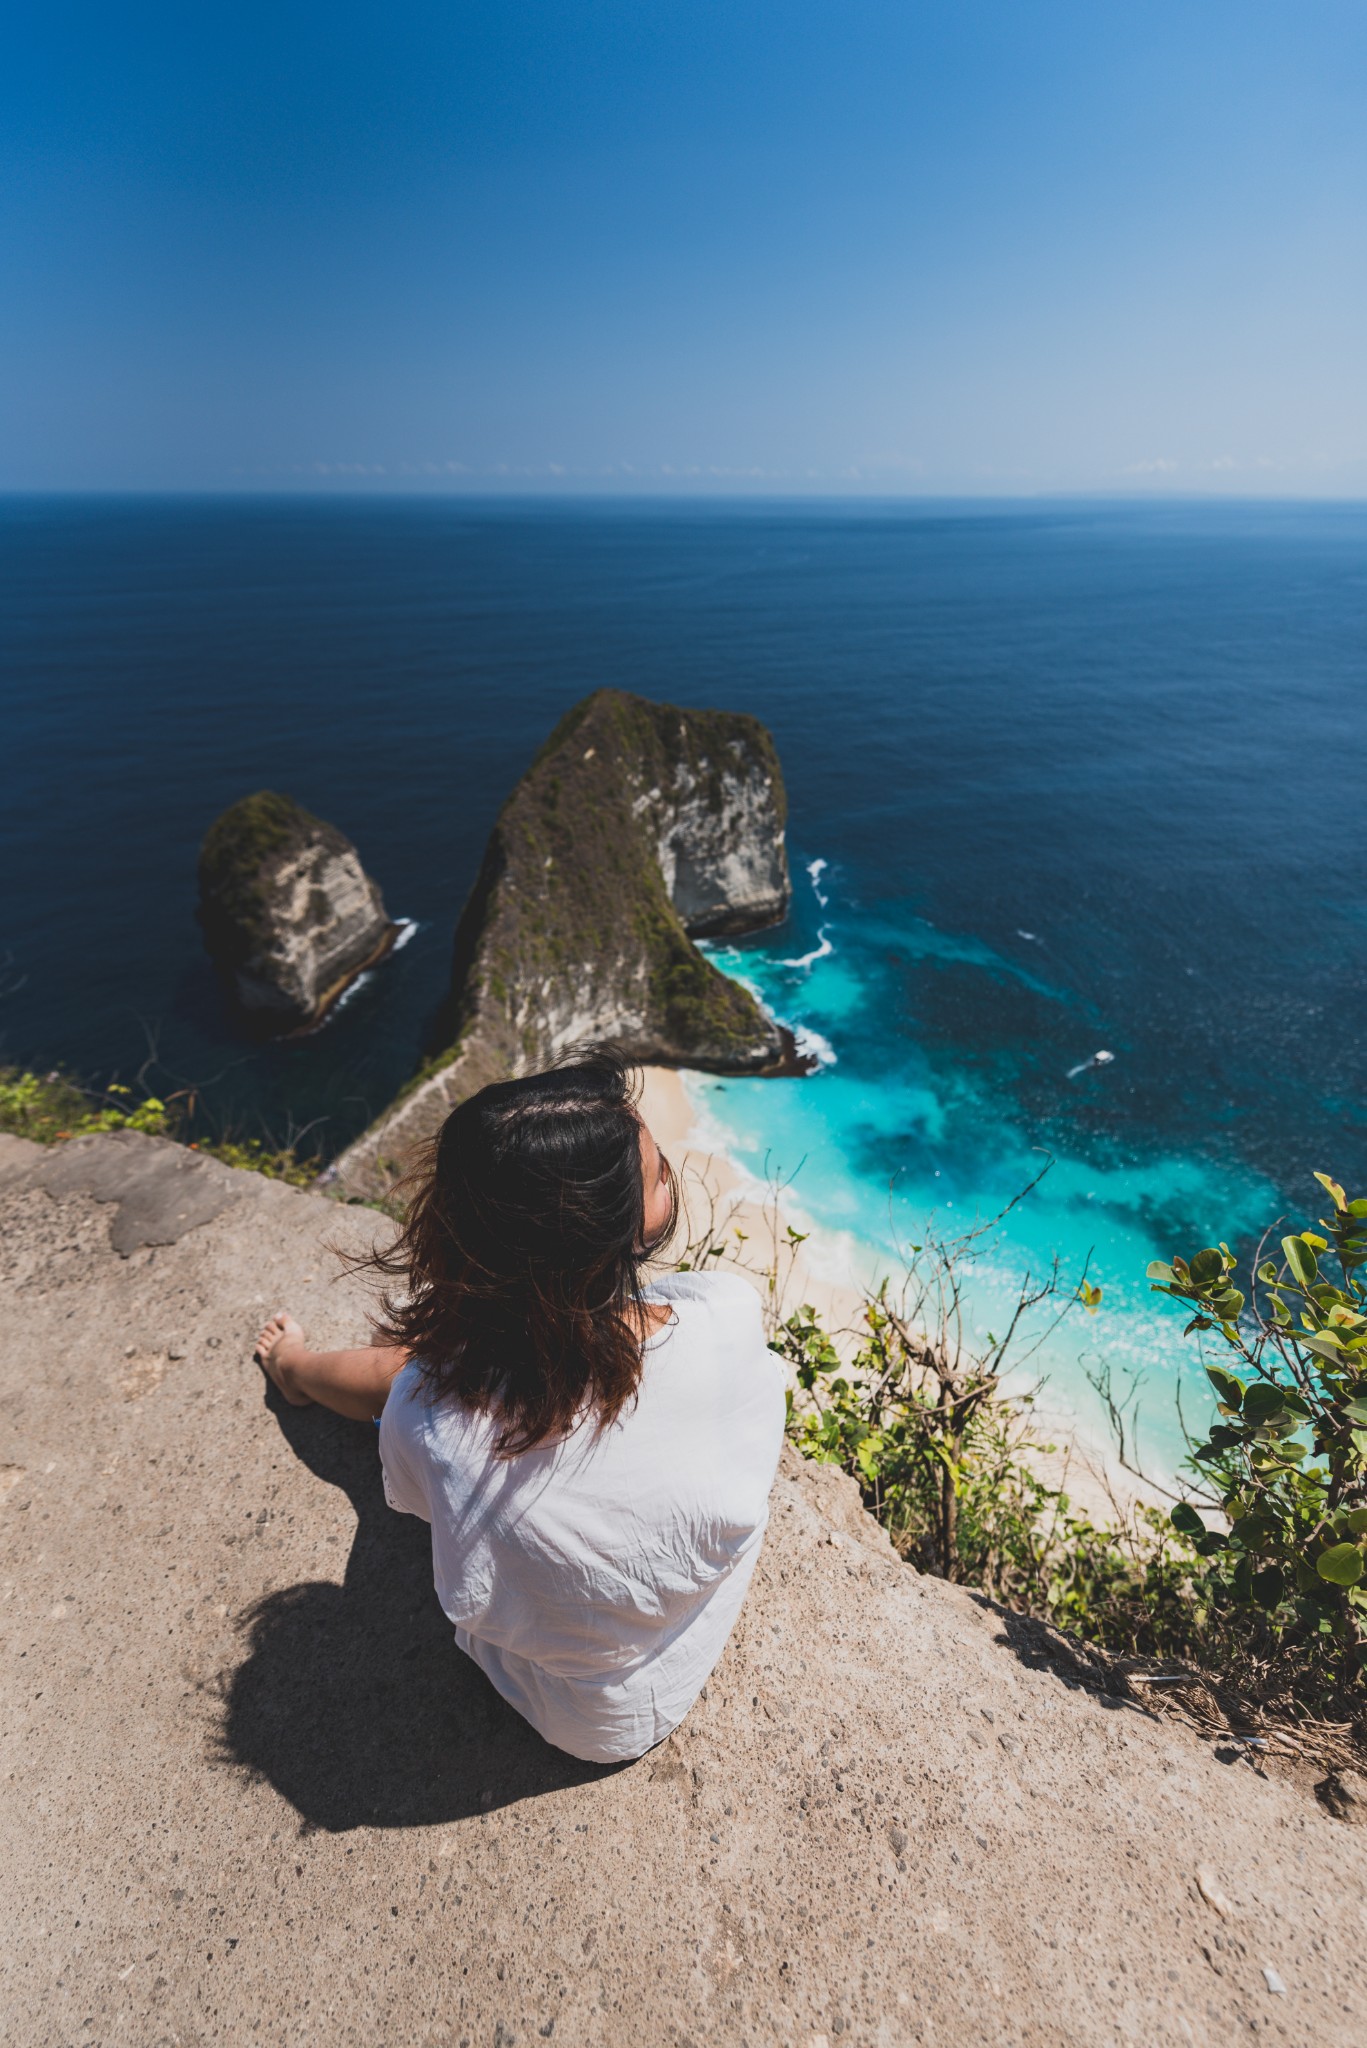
{"type": "Point", "coordinates": [937, 1452]}
{"type": "Point", "coordinates": [275, 1162]}
{"type": "Point", "coordinates": [955, 1471]}
{"type": "Point", "coordinates": [50, 1107]}
{"type": "Point", "coordinates": [40, 1107]}
{"type": "Point", "coordinates": [1286, 1462]}
{"type": "Point", "coordinates": [1274, 1602]}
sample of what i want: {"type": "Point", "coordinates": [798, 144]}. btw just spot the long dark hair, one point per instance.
{"type": "Point", "coordinates": [523, 1252]}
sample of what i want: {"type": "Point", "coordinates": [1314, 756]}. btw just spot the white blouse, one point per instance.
{"type": "Point", "coordinates": [595, 1581]}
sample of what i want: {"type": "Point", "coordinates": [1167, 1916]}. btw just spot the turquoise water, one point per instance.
{"type": "Point", "coordinates": [884, 1145]}
{"type": "Point", "coordinates": [1084, 778]}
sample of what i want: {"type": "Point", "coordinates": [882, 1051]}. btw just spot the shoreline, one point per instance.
{"type": "Point", "coordinates": [333, 994]}
{"type": "Point", "coordinates": [720, 1197]}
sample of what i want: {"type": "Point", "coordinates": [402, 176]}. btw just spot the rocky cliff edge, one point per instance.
{"type": "Point", "coordinates": [253, 1791]}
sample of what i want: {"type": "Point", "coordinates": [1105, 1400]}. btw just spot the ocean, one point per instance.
{"type": "Point", "coordinates": [1064, 779]}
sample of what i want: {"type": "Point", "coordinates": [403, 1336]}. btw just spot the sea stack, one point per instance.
{"type": "Point", "coordinates": [637, 827]}
{"type": "Point", "coordinates": [289, 915]}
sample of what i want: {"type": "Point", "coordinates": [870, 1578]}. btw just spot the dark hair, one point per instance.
{"type": "Point", "coordinates": [523, 1252]}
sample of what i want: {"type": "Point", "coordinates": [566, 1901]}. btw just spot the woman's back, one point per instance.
{"type": "Point", "coordinates": [593, 1452]}
{"type": "Point", "coordinates": [596, 1579]}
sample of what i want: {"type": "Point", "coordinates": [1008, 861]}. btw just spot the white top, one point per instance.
{"type": "Point", "coordinates": [595, 1581]}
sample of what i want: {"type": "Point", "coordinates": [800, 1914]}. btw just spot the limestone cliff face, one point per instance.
{"type": "Point", "coordinates": [289, 915]}
{"type": "Point", "coordinates": [717, 823]}
{"type": "Point", "coordinates": [637, 825]}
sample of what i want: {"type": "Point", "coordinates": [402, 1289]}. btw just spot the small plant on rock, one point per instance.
{"type": "Point", "coordinates": [275, 1162]}
{"type": "Point", "coordinates": [51, 1108]}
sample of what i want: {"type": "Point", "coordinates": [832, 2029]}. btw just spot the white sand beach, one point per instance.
{"type": "Point", "coordinates": [720, 1201]}
{"type": "Point", "coordinates": [722, 1204]}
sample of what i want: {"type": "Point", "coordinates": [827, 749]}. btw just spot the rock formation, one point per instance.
{"type": "Point", "coordinates": [289, 915]}
{"type": "Point", "coordinates": [254, 1793]}
{"type": "Point", "coordinates": [636, 826]}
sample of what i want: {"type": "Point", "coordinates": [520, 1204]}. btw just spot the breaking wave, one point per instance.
{"type": "Point", "coordinates": [818, 952]}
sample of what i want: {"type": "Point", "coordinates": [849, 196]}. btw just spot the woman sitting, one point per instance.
{"type": "Point", "coordinates": [592, 1447]}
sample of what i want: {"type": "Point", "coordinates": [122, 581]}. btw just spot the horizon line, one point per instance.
{"type": "Point", "coordinates": [371, 492]}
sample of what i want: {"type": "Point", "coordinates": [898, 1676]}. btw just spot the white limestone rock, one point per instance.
{"type": "Point", "coordinates": [289, 915]}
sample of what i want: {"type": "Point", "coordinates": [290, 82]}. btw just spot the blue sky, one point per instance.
{"type": "Point", "coordinates": [935, 246]}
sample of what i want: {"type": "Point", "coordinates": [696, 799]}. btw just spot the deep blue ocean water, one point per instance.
{"type": "Point", "coordinates": [1082, 778]}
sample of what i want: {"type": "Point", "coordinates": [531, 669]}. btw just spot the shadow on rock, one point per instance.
{"type": "Point", "coordinates": [1082, 1667]}
{"type": "Point", "coordinates": [353, 1700]}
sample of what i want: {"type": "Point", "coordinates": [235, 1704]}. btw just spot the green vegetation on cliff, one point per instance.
{"type": "Point", "coordinates": [51, 1108]}
{"type": "Point", "coordinates": [663, 737]}
{"type": "Point", "coordinates": [241, 850]}
{"type": "Point", "coordinates": [1257, 1576]}
{"type": "Point", "coordinates": [288, 913]}
{"type": "Point", "coordinates": [637, 827]}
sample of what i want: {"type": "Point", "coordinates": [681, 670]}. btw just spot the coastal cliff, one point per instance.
{"type": "Point", "coordinates": [289, 915]}
{"type": "Point", "coordinates": [289, 1810]}
{"type": "Point", "coordinates": [637, 826]}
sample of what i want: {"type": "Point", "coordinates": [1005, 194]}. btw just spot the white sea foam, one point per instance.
{"type": "Point", "coordinates": [818, 952]}
{"type": "Point", "coordinates": [347, 993]}
{"type": "Point", "coordinates": [816, 869]}
{"type": "Point", "coordinates": [812, 1045]}
{"type": "Point", "coordinates": [751, 988]}
{"type": "Point", "coordinates": [1098, 1059]}
{"type": "Point", "coordinates": [807, 1041]}
{"type": "Point", "coordinates": [406, 927]}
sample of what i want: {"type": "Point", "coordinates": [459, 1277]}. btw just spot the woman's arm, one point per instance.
{"type": "Point", "coordinates": [352, 1383]}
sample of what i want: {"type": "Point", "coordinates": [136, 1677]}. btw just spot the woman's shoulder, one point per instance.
{"type": "Point", "coordinates": [419, 1413]}
{"type": "Point", "coordinates": [725, 1291]}
{"type": "Point", "coordinates": [717, 1338]}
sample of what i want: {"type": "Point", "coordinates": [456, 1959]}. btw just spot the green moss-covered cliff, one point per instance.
{"type": "Point", "coordinates": [637, 826]}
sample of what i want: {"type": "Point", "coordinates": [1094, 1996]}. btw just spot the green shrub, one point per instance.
{"type": "Point", "coordinates": [1275, 1602]}
{"type": "Point", "coordinates": [40, 1107]}
{"type": "Point", "coordinates": [952, 1469]}
{"type": "Point", "coordinates": [1286, 1462]}
{"type": "Point", "coordinates": [275, 1162]}
{"type": "Point", "coordinates": [50, 1108]}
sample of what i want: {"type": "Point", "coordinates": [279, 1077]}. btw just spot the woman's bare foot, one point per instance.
{"type": "Point", "coordinates": [279, 1349]}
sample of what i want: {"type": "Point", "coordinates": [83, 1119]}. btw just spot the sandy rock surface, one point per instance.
{"type": "Point", "coordinates": [254, 1793]}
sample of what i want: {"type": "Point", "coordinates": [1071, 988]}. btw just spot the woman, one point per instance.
{"type": "Point", "coordinates": [593, 1449]}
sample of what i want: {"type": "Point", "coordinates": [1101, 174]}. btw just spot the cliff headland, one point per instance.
{"type": "Point", "coordinates": [638, 828]}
